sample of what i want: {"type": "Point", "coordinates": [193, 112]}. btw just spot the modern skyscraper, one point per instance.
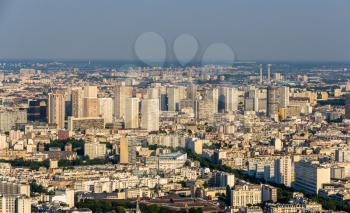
{"type": "Point", "coordinates": [283, 97]}
{"type": "Point", "coordinates": [77, 102]}
{"type": "Point", "coordinates": [95, 150]}
{"type": "Point", "coordinates": [269, 72]}
{"type": "Point", "coordinates": [91, 107]}
{"type": "Point", "coordinates": [150, 114]}
{"type": "Point", "coordinates": [56, 109]}
{"type": "Point", "coordinates": [272, 102]}
{"type": "Point", "coordinates": [175, 94]}
{"type": "Point", "coordinates": [90, 91]}
{"type": "Point", "coordinates": [283, 171]}
{"type": "Point", "coordinates": [228, 99]}
{"type": "Point", "coordinates": [132, 113]}
{"type": "Point", "coordinates": [124, 150]}
{"type": "Point", "coordinates": [106, 109]}
{"type": "Point", "coordinates": [37, 110]}
{"type": "Point", "coordinates": [204, 109]}
{"type": "Point", "coordinates": [121, 93]}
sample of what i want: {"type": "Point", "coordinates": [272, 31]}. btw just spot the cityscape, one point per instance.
{"type": "Point", "coordinates": [183, 123]}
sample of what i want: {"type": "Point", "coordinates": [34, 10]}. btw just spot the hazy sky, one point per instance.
{"type": "Point", "coordinates": [291, 30]}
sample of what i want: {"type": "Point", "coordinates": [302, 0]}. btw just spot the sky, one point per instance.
{"type": "Point", "coordinates": [267, 30]}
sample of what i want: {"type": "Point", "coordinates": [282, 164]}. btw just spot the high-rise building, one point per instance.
{"type": "Point", "coordinates": [14, 204]}
{"type": "Point", "coordinates": [251, 100]}
{"type": "Point", "coordinates": [91, 107]}
{"type": "Point", "coordinates": [223, 179]}
{"type": "Point", "coordinates": [106, 109]}
{"type": "Point", "coordinates": [95, 150]}
{"type": "Point", "coordinates": [132, 113]}
{"type": "Point", "coordinates": [121, 93]}
{"type": "Point", "coordinates": [10, 117]}
{"type": "Point", "coordinates": [23, 205]}
{"type": "Point", "coordinates": [272, 102]}
{"type": "Point", "coordinates": [269, 72]}
{"type": "Point", "coordinates": [150, 114]}
{"type": "Point", "coordinates": [283, 97]}
{"type": "Point", "coordinates": [342, 155]}
{"type": "Point", "coordinates": [77, 102]}
{"type": "Point", "coordinates": [90, 91]}
{"type": "Point", "coordinates": [37, 110]}
{"type": "Point", "coordinates": [310, 177]}
{"type": "Point", "coordinates": [195, 145]}
{"type": "Point", "coordinates": [204, 109]}
{"type": "Point", "coordinates": [268, 193]}
{"type": "Point", "coordinates": [212, 95]}
{"type": "Point", "coordinates": [283, 171]}
{"type": "Point", "coordinates": [124, 150]}
{"type": "Point", "coordinates": [228, 99]}
{"type": "Point", "coordinates": [56, 109]}
{"type": "Point", "coordinates": [175, 94]}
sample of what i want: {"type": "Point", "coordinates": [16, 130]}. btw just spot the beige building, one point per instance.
{"type": "Point", "coordinates": [150, 114]}
{"type": "Point", "coordinates": [247, 194]}
{"type": "Point", "coordinates": [121, 93]}
{"type": "Point", "coordinates": [77, 102]}
{"type": "Point", "coordinates": [132, 113]}
{"type": "Point", "coordinates": [95, 150]}
{"type": "Point", "coordinates": [124, 150]}
{"type": "Point", "coordinates": [75, 124]}
{"type": "Point", "coordinates": [309, 177]}
{"type": "Point", "coordinates": [106, 109]}
{"type": "Point", "coordinates": [91, 107]}
{"type": "Point", "coordinates": [283, 171]}
{"type": "Point", "coordinates": [56, 109]}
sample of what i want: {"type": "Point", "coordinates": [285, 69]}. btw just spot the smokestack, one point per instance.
{"type": "Point", "coordinates": [269, 72]}
{"type": "Point", "coordinates": [261, 73]}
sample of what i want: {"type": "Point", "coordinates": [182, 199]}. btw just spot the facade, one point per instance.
{"type": "Point", "coordinates": [121, 93]}
{"type": "Point", "coordinates": [82, 124]}
{"type": "Point", "coordinates": [91, 107]}
{"type": "Point", "coordinates": [10, 117]}
{"type": "Point", "coordinates": [247, 194]}
{"type": "Point", "coordinates": [106, 109]}
{"type": "Point", "coordinates": [56, 109]}
{"type": "Point", "coordinates": [124, 150]}
{"type": "Point", "coordinates": [132, 113]}
{"type": "Point", "coordinates": [77, 102]}
{"type": "Point", "coordinates": [95, 150]}
{"type": "Point", "coordinates": [283, 171]}
{"type": "Point", "coordinates": [150, 114]}
{"type": "Point", "coordinates": [310, 177]}
{"type": "Point", "coordinates": [272, 102]}
{"type": "Point", "coordinates": [223, 179]}
{"type": "Point", "coordinates": [37, 110]}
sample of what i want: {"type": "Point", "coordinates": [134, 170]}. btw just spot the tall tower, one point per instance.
{"type": "Point", "coordinates": [132, 113]}
{"type": "Point", "coordinates": [269, 72]}
{"type": "Point", "coordinates": [121, 93]}
{"type": "Point", "coordinates": [56, 109]}
{"type": "Point", "coordinates": [123, 150]}
{"type": "Point", "coordinates": [106, 109]}
{"type": "Point", "coordinates": [77, 102]}
{"type": "Point", "coordinates": [272, 102]}
{"type": "Point", "coordinates": [261, 73]}
{"type": "Point", "coordinates": [150, 114]}
{"type": "Point", "coordinates": [283, 171]}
